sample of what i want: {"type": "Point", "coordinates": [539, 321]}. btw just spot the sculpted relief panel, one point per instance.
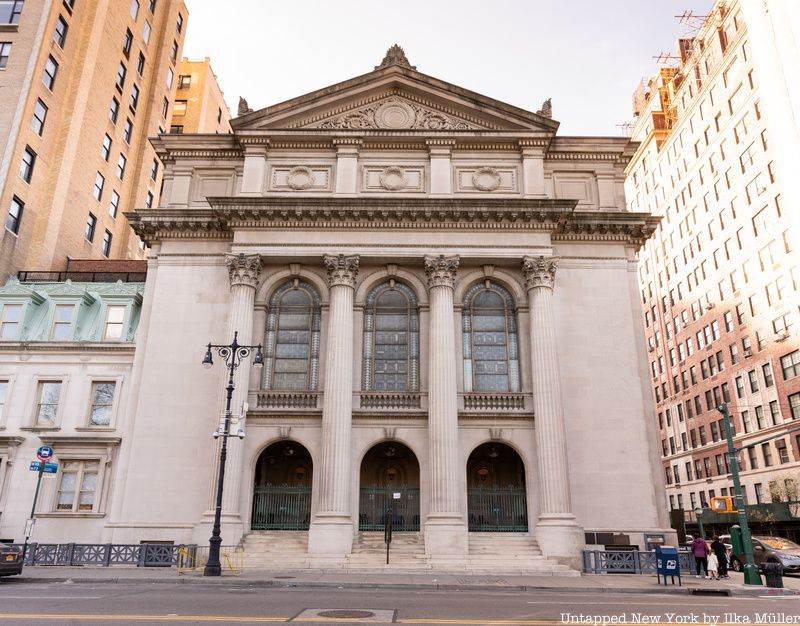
{"type": "Point", "coordinates": [300, 178]}
{"type": "Point", "coordinates": [486, 179]}
{"type": "Point", "coordinates": [388, 178]}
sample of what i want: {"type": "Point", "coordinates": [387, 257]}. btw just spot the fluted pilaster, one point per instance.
{"type": "Point", "coordinates": [442, 390]}
{"type": "Point", "coordinates": [338, 399]}
{"type": "Point", "coordinates": [244, 272]}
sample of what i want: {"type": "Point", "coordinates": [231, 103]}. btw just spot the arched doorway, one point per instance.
{"type": "Point", "coordinates": [496, 495]}
{"type": "Point", "coordinates": [389, 481]}
{"type": "Point", "coordinates": [282, 489]}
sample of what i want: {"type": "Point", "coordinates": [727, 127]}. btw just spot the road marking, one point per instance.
{"type": "Point", "coordinates": [50, 597]}
{"type": "Point", "coordinates": [149, 618]}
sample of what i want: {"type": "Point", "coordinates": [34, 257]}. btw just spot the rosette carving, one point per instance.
{"type": "Point", "coordinates": [342, 270]}
{"type": "Point", "coordinates": [243, 269]}
{"type": "Point", "coordinates": [300, 178]}
{"type": "Point", "coordinates": [486, 179]}
{"type": "Point", "coordinates": [393, 178]}
{"type": "Point", "coordinates": [441, 270]}
{"type": "Point", "coordinates": [539, 271]}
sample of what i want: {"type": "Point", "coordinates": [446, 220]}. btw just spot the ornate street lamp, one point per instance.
{"type": "Point", "coordinates": [233, 355]}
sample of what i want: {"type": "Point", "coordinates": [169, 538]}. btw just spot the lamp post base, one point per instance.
{"type": "Point", "coordinates": [752, 575]}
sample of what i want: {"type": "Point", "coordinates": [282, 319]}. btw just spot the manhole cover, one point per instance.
{"type": "Point", "coordinates": [346, 614]}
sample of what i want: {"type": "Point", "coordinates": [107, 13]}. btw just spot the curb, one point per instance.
{"type": "Point", "coordinates": [282, 584]}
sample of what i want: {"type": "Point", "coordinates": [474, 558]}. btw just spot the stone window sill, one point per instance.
{"type": "Point", "coordinates": [79, 514]}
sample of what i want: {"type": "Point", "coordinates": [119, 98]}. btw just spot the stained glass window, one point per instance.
{"type": "Point", "coordinates": [292, 340]}
{"type": "Point", "coordinates": [491, 351]}
{"type": "Point", "coordinates": [391, 339]}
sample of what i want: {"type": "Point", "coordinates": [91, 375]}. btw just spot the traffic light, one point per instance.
{"type": "Point", "coordinates": [723, 504]}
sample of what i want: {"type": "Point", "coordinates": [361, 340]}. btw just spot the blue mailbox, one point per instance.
{"type": "Point", "coordinates": [668, 563]}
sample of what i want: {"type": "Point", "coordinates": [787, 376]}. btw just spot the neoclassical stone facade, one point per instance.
{"type": "Point", "coordinates": [445, 292]}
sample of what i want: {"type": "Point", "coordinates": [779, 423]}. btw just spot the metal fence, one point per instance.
{"type": "Point", "coordinates": [497, 509]}
{"type": "Point", "coordinates": [629, 562]}
{"type": "Point", "coordinates": [375, 503]}
{"type": "Point", "coordinates": [81, 277]}
{"type": "Point", "coordinates": [105, 554]}
{"type": "Point", "coordinates": [281, 508]}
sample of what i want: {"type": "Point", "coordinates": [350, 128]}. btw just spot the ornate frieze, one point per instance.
{"type": "Point", "coordinates": [441, 270]}
{"type": "Point", "coordinates": [243, 269]}
{"type": "Point", "coordinates": [396, 113]}
{"type": "Point", "coordinates": [342, 270]}
{"type": "Point", "coordinates": [539, 271]}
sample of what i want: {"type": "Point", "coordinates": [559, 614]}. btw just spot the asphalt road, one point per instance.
{"type": "Point", "coordinates": [114, 604]}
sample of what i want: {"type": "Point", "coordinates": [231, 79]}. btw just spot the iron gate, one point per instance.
{"type": "Point", "coordinates": [498, 509]}
{"type": "Point", "coordinates": [281, 508]}
{"type": "Point", "coordinates": [376, 501]}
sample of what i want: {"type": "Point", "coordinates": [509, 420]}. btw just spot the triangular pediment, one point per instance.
{"type": "Point", "coordinates": [396, 97]}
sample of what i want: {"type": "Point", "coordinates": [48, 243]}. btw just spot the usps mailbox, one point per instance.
{"type": "Point", "coordinates": [668, 563]}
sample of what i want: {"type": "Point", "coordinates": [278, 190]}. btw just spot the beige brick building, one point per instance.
{"type": "Point", "coordinates": [199, 102]}
{"type": "Point", "coordinates": [82, 86]}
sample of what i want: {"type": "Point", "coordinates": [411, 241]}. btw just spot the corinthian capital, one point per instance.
{"type": "Point", "coordinates": [539, 271]}
{"type": "Point", "coordinates": [342, 270]}
{"type": "Point", "coordinates": [441, 270]}
{"type": "Point", "coordinates": [243, 269]}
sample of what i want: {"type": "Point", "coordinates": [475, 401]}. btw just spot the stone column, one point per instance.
{"type": "Point", "coordinates": [331, 532]}
{"type": "Point", "coordinates": [445, 531]}
{"type": "Point", "coordinates": [347, 164]}
{"type": "Point", "coordinates": [557, 531]}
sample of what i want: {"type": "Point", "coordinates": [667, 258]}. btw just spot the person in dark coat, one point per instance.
{"type": "Point", "coordinates": [700, 551]}
{"type": "Point", "coordinates": [718, 548]}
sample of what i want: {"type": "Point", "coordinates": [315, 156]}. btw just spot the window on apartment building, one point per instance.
{"type": "Point", "coordinates": [152, 6]}
{"type": "Point", "coordinates": [134, 9]}
{"type": "Point", "coordinates": [758, 489]}
{"type": "Point", "coordinates": [15, 215]}
{"type": "Point", "coordinates": [91, 226]}
{"type": "Point", "coordinates": [77, 487]}
{"type": "Point", "coordinates": [47, 400]}
{"type": "Point", "coordinates": [179, 24]}
{"type": "Point", "coordinates": [794, 405]}
{"type": "Point", "coordinates": [127, 43]}
{"type": "Point", "coordinates": [672, 445]}
{"type": "Point", "coordinates": [140, 65]}
{"type": "Point", "coordinates": [113, 205]}
{"type": "Point", "coordinates": [10, 321]}
{"type": "Point", "coordinates": [165, 108]}
{"type": "Point", "coordinates": [99, 183]}
{"type": "Point", "coordinates": [753, 458]}
{"type": "Point", "coordinates": [148, 203]}
{"type": "Point", "coordinates": [170, 77]}
{"type": "Point", "coordinates": [10, 10]}
{"type": "Point", "coordinates": [774, 412]}
{"type": "Point", "coordinates": [62, 322]}
{"type": "Point", "coordinates": [746, 421]}
{"type": "Point", "coordinates": [761, 221]}
{"type": "Point", "coordinates": [668, 475]}
{"type": "Point", "coordinates": [146, 32]}
{"type": "Point", "coordinates": [113, 112]}
{"type": "Point", "coordinates": [26, 164]}
{"type": "Point", "coordinates": [154, 170]}
{"type": "Point", "coordinates": [127, 132]}
{"type": "Point", "coordinates": [702, 431]}
{"type": "Point", "coordinates": [766, 451]}
{"type": "Point", "coordinates": [718, 459]}
{"type": "Point", "coordinates": [739, 387]}
{"type": "Point", "coordinates": [714, 432]}
{"type": "Point", "coordinates": [783, 451]}
{"type": "Point", "coordinates": [115, 316]}
{"type": "Point", "coordinates": [179, 109]}
{"type": "Point", "coordinates": [790, 365]}
{"type": "Point", "coordinates": [782, 325]}
{"type": "Point", "coordinates": [184, 81]}
{"type": "Point", "coordinates": [39, 117]}
{"type": "Point", "coordinates": [751, 375]}
{"type": "Point", "coordinates": [5, 52]}
{"type": "Point", "coordinates": [706, 469]}
{"type": "Point", "coordinates": [693, 437]}
{"type": "Point", "coordinates": [60, 33]}
{"type": "Point", "coordinates": [102, 403]}
{"type": "Point", "coordinates": [134, 98]}
{"type": "Point", "coordinates": [734, 350]}
{"type": "Point", "coordinates": [766, 370]}
{"type": "Point", "coordinates": [105, 149]}
{"type": "Point", "coordinates": [219, 115]}
{"type": "Point", "coordinates": [173, 53]}
{"type": "Point", "coordinates": [3, 394]}
{"type": "Point", "coordinates": [122, 163]}
{"type": "Point", "coordinates": [760, 421]}
{"type": "Point", "coordinates": [106, 247]}
{"type": "Point", "coordinates": [122, 71]}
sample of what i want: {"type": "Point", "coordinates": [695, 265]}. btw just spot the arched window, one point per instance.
{"type": "Point", "coordinates": [391, 339]}
{"type": "Point", "coordinates": [491, 348]}
{"type": "Point", "coordinates": [292, 341]}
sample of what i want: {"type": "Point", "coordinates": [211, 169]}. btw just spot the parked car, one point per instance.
{"type": "Point", "coordinates": [10, 560]}
{"type": "Point", "coordinates": [772, 550]}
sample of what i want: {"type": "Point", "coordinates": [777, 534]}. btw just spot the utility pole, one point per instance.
{"type": "Point", "coordinates": [751, 575]}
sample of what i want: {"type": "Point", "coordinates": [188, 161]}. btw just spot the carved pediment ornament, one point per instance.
{"type": "Point", "coordinates": [441, 270]}
{"type": "Point", "coordinates": [539, 271]}
{"type": "Point", "coordinates": [393, 178]}
{"type": "Point", "coordinates": [395, 113]}
{"type": "Point", "coordinates": [300, 178]}
{"type": "Point", "coordinates": [342, 270]}
{"type": "Point", "coordinates": [486, 179]}
{"type": "Point", "coordinates": [243, 269]}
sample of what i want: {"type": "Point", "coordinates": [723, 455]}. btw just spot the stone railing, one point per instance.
{"type": "Point", "coordinates": [494, 402]}
{"type": "Point", "coordinates": [389, 400]}
{"type": "Point", "coordinates": [287, 399]}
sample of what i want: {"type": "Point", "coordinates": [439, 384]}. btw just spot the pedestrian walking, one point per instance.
{"type": "Point", "coordinates": [700, 551]}
{"type": "Point", "coordinates": [718, 548]}
{"type": "Point", "coordinates": [713, 567]}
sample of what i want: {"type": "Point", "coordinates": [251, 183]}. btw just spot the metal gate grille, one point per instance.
{"type": "Point", "coordinates": [497, 509]}
{"type": "Point", "coordinates": [281, 508]}
{"type": "Point", "coordinates": [376, 501]}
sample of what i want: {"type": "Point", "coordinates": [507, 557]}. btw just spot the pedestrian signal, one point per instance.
{"type": "Point", "coordinates": [723, 504]}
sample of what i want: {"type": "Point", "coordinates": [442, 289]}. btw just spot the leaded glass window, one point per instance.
{"type": "Point", "coordinates": [391, 339]}
{"type": "Point", "coordinates": [491, 349]}
{"type": "Point", "coordinates": [292, 341]}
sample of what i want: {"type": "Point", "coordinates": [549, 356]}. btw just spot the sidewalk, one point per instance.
{"type": "Point", "coordinates": [586, 583]}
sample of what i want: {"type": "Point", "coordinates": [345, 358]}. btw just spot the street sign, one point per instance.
{"type": "Point", "coordinates": [49, 468]}
{"type": "Point", "coordinates": [44, 453]}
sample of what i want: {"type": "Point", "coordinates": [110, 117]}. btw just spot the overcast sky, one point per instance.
{"type": "Point", "coordinates": [587, 55]}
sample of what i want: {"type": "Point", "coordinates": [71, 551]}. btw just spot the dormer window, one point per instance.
{"type": "Point", "coordinates": [115, 316]}
{"type": "Point", "coordinates": [10, 321]}
{"type": "Point", "coordinates": [62, 322]}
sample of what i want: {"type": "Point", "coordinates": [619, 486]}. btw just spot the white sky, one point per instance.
{"type": "Point", "coordinates": [587, 55]}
